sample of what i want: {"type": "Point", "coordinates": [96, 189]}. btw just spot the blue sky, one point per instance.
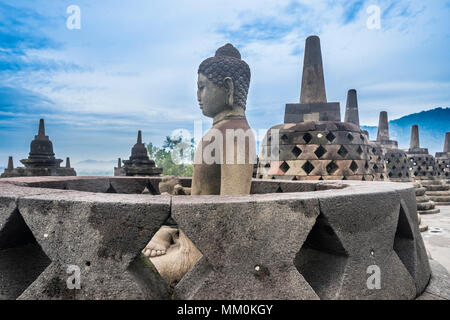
{"type": "Point", "coordinates": [133, 65]}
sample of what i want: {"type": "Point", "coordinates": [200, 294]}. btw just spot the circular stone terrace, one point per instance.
{"type": "Point", "coordinates": [286, 240]}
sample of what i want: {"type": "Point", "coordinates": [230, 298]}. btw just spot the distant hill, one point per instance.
{"type": "Point", "coordinates": [95, 167]}
{"type": "Point", "coordinates": [433, 124]}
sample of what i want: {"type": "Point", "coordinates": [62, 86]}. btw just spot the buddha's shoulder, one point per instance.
{"type": "Point", "coordinates": [232, 124]}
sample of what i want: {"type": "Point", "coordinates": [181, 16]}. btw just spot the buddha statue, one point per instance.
{"type": "Point", "coordinates": [223, 160]}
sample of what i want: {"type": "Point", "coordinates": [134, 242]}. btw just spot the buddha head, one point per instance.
{"type": "Point", "coordinates": [223, 82]}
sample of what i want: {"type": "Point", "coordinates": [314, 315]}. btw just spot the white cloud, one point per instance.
{"type": "Point", "coordinates": [138, 61]}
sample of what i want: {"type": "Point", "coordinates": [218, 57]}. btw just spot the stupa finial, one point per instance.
{"type": "Point", "coordinates": [41, 128]}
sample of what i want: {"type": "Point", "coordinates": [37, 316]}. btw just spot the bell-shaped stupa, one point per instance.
{"type": "Point", "coordinates": [139, 164]}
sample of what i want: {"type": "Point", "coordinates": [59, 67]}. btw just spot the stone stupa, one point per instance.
{"type": "Point", "coordinates": [421, 162]}
{"type": "Point", "coordinates": [41, 160]}
{"type": "Point", "coordinates": [395, 159]}
{"type": "Point", "coordinates": [398, 169]}
{"type": "Point", "coordinates": [139, 164]}
{"type": "Point", "coordinates": [313, 143]}
{"type": "Point", "coordinates": [439, 190]}
{"type": "Point", "coordinates": [443, 160]}
{"type": "Point", "coordinates": [422, 168]}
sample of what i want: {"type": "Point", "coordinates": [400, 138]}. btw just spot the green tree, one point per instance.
{"type": "Point", "coordinates": [180, 149]}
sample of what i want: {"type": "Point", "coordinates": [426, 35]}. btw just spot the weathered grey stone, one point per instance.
{"type": "Point", "coordinates": [135, 186]}
{"type": "Point", "coordinates": [439, 286]}
{"type": "Point", "coordinates": [383, 133]}
{"type": "Point", "coordinates": [103, 237]}
{"type": "Point", "coordinates": [19, 267]}
{"type": "Point", "coordinates": [313, 104]}
{"type": "Point", "coordinates": [447, 142]}
{"type": "Point", "coordinates": [313, 111]}
{"type": "Point", "coordinates": [414, 142]}
{"type": "Point", "coordinates": [313, 82]}
{"type": "Point", "coordinates": [410, 246]}
{"type": "Point", "coordinates": [385, 237]}
{"type": "Point", "coordinates": [331, 153]}
{"type": "Point", "coordinates": [241, 251]}
{"type": "Point", "coordinates": [21, 258]}
{"type": "Point", "coordinates": [10, 163]}
{"type": "Point", "coordinates": [335, 231]}
{"type": "Point", "coordinates": [351, 109]}
{"type": "Point", "coordinates": [383, 127]}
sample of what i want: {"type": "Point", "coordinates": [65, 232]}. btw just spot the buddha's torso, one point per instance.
{"type": "Point", "coordinates": [207, 178]}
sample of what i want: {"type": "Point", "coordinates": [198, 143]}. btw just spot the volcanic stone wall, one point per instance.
{"type": "Point", "coordinates": [317, 151]}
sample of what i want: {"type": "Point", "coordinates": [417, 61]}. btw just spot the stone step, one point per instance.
{"type": "Point", "coordinates": [437, 188]}
{"type": "Point", "coordinates": [425, 206]}
{"type": "Point", "coordinates": [438, 193]}
{"type": "Point", "coordinates": [440, 199]}
{"type": "Point", "coordinates": [432, 211]}
{"type": "Point", "coordinates": [421, 199]}
{"type": "Point", "coordinates": [430, 182]}
{"type": "Point", "coordinates": [420, 191]}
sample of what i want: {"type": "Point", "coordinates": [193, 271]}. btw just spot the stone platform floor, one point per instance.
{"type": "Point", "coordinates": [437, 237]}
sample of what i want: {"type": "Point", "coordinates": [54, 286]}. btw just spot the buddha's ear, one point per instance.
{"type": "Point", "coordinates": [229, 87]}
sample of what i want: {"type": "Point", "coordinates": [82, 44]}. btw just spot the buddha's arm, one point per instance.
{"type": "Point", "coordinates": [236, 179]}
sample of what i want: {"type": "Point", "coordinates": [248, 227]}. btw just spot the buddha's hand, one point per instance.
{"type": "Point", "coordinates": [161, 241]}
{"type": "Point", "coordinates": [168, 184]}
{"type": "Point", "coordinates": [179, 190]}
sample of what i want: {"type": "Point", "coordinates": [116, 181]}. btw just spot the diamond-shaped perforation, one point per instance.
{"type": "Point", "coordinates": [404, 241]}
{"type": "Point", "coordinates": [359, 150]}
{"type": "Point", "coordinates": [308, 167]}
{"type": "Point", "coordinates": [322, 253]}
{"type": "Point", "coordinates": [284, 138]}
{"type": "Point", "coordinates": [307, 137]}
{"type": "Point", "coordinates": [330, 136]}
{"type": "Point", "coordinates": [284, 167]}
{"type": "Point", "coordinates": [267, 165]}
{"type": "Point", "coordinates": [25, 259]}
{"type": "Point", "coordinates": [332, 167]}
{"type": "Point", "coordinates": [350, 136]}
{"type": "Point", "coordinates": [342, 151]}
{"type": "Point", "coordinates": [353, 166]}
{"type": "Point", "coordinates": [320, 151]}
{"type": "Point", "coordinates": [111, 189]}
{"type": "Point", "coordinates": [296, 151]}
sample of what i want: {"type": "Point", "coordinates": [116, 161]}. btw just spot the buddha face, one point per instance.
{"type": "Point", "coordinates": [211, 98]}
